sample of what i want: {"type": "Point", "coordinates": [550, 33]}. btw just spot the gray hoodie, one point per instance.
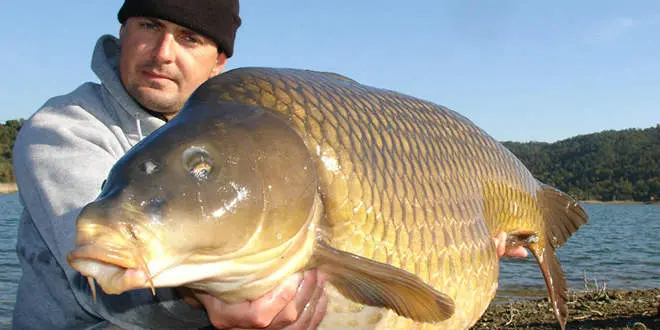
{"type": "Point", "coordinates": [61, 157]}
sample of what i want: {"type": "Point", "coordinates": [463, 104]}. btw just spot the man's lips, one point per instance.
{"type": "Point", "coordinates": [153, 75]}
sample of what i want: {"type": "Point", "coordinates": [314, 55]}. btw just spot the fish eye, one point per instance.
{"type": "Point", "coordinates": [149, 167]}
{"type": "Point", "coordinates": [198, 163]}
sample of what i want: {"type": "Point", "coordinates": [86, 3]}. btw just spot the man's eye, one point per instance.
{"type": "Point", "coordinates": [148, 25]}
{"type": "Point", "coordinates": [191, 39]}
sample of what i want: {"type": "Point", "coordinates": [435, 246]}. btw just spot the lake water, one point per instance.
{"type": "Point", "coordinates": [10, 271]}
{"type": "Point", "coordinates": [620, 246]}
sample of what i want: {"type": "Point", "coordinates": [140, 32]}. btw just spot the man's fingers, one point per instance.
{"type": "Point", "coordinates": [257, 314]}
{"type": "Point", "coordinates": [312, 312]}
{"type": "Point", "coordinates": [500, 244]}
{"type": "Point", "coordinates": [318, 310]}
{"type": "Point", "coordinates": [305, 307]}
{"type": "Point", "coordinates": [263, 311]}
{"type": "Point", "coordinates": [295, 307]}
{"type": "Point", "coordinates": [502, 251]}
{"type": "Point", "coordinates": [517, 252]}
{"type": "Point", "coordinates": [221, 315]}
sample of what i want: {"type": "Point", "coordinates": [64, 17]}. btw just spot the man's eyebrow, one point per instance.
{"type": "Point", "coordinates": [159, 23]}
{"type": "Point", "coordinates": [154, 21]}
{"type": "Point", "coordinates": [189, 31]}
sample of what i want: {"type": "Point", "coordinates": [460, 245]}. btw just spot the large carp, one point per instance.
{"type": "Point", "coordinates": [267, 172]}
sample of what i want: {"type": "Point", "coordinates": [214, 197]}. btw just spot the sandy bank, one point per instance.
{"type": "Point", "coordinates": [613, 309]}
{"type": "Point", "coordinates": [8, 188]}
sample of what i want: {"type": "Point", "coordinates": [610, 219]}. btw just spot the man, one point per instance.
{"type": "Point", "coordinates": [166, 49]}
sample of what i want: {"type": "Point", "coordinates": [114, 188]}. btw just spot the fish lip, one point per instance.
{"type": "Point", "coordinates": [118, 257]}
{"type": "Point", "coordinates": [115, 270]}
{"type": "Point", "coordinates": [111, 278]}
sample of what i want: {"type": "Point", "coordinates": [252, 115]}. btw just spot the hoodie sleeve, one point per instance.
{"type": "Point", "coordinates": [61, 157]}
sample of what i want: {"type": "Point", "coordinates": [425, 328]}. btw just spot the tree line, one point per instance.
{"type": "Point", "coordinates": [605, 166]}
{"type": "Point", "coordinates": [8, 132]}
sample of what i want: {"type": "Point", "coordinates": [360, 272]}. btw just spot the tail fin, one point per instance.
{"type": "Point", "coordinates": [563, 216]}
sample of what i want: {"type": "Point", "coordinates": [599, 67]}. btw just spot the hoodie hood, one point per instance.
{"type": "Point", "coordinates": [134, 120]}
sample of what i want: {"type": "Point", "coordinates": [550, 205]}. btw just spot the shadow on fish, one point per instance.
{"type": "Point", "coordinates": [268, 172]}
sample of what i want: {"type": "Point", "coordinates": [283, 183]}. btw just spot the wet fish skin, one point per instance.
{"type": "Point", "coordinates": [395, 198]}
{"type": "Point", "coordinates": [412, 184]}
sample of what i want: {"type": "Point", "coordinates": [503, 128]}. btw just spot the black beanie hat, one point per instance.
{"type": "Point", "coordinates": [216, 19]}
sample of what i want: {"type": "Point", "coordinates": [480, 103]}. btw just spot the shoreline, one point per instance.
{"type": "Point", "coordinates": [619, 202]}
{"type": "Point", "coordinates": [8, 188]}
{"type": "Point", "coordinates": [593, 309]}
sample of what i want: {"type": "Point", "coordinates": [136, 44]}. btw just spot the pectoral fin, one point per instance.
{"type": "Point", "coordinates": [377, 284]}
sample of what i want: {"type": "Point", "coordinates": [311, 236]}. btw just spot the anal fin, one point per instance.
{"type": "Point", "coordinates": [554, 277]}
{"type": "Point", "coordinates": [555, 280]}
{"type": "Point", "coordinates": [563, 216]}
{"type": "Point", "coordinates": [377, 284]}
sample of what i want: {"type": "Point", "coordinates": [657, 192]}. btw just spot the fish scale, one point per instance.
{"type": "Point", "coordinates": [357, 125]}
{"type": "Point", "coordinates": [397, 200]}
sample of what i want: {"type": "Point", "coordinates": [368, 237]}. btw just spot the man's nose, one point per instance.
{"type": "Point", "coordinates": [164, 50]}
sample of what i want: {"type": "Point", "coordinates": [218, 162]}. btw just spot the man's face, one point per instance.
{"type": "Point", "coordinates": [162, 63]}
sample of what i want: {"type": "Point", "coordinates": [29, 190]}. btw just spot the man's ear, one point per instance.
{"type": "Point", "coordinates": [121, 31]}
{"type": "Point", "coordinates": [220, 63]}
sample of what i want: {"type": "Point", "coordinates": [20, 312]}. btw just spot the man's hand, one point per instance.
{"type": "Point", "coordinates": [297, 303]}
{"type": "Point", "coordinates": [500, 244]}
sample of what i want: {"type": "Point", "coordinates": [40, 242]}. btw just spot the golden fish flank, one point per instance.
{"type": "Point", "coordinates": [395, 198]}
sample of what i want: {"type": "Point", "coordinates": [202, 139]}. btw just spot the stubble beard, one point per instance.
{"type": "Point", "coordinates": [154, 99]}
{"type": "Point", "coordinates": [152, 95]}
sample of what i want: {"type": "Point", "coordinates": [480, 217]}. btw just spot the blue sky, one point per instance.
{"type": "Point", "coordinates": [522, 70]}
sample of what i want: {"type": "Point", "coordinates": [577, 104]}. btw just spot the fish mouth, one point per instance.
{"type": "Point", "coordinates": [114, 263]}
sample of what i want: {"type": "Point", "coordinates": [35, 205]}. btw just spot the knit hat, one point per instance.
{"type": "Point", "coordinates": [216, 19]}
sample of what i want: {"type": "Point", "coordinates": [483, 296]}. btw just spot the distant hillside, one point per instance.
{"type": "Point", "coordinates": [8, 133]}
{"type": "Point", "coordinates": [605, 166]}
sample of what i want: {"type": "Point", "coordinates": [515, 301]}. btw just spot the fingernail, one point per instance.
{"type": "Point", "coordinates": [322, 278]}
{"type": "Point", "coordinates": [294, 280]}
